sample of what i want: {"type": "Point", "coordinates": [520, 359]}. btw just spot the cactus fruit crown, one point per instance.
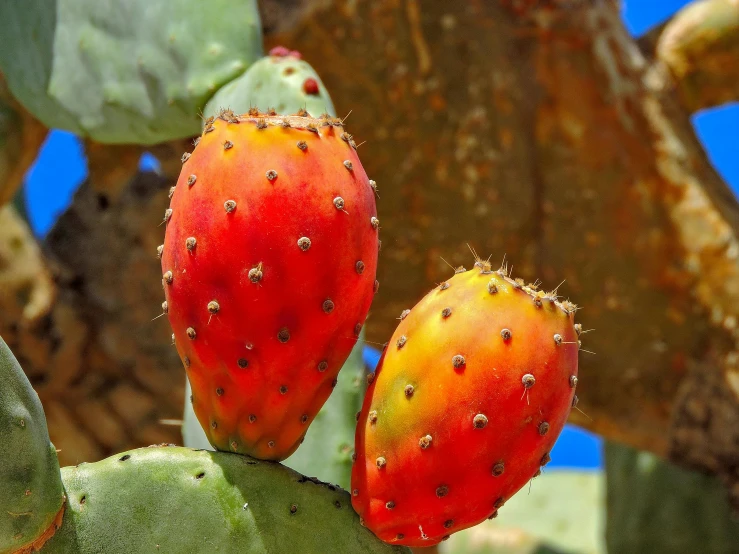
{"type": "Point", "coordinates": [268, 267]}
{"type": "Point", "coordinates": [468, 399]}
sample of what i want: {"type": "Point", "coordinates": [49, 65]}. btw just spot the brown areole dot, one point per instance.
{"type": "Point", "coordinates": [213, 307]}
{"type": "Point", "coordinates": [404, 314]}
{"type": "Point", "coordinates": [376, 286]}
{"type": "Point", "coordinates": [458, 361]}
{"type": "Point", "coordinates": [271, 175]}
{"type": "Point", "coordinates": [165, 307]}
{"type": "Point", "coordinates": [480, 421]}
{"type": "Point", "coordinates": [228, 145]}
{"type": "Point", "coordinates": [271, 444]}
{"type": "Point", "coordinates": [506, 334]}
{"type": "Point", "coordinates": [543, 428]}
{"type": "Point", "coordinates": [444, 286]}
{"type": "Point", "coordinates": [322, 365]}
{"type": "Point", "coordinates": [573, 380]}
{"type": "Point", "coordinates": [283, 389]}
{"type": "Point", "coordinates": [190, 243]}
{"type": "Point", "coordinates": [255, 273]}
{"type": "Point", "coordinates": [191, 333]}
{"type": "Point", "coordinates": [214, 425]}
{"type": "Point", "coordinates": [229, 206]}
{"type": "Point", "coordinates": [401, 341]}
{"type": "Point", "coordinates": [425, 441]}
{"type": "Point", "coordinates": [167, 215]}
{"type": "Point", "coordinates": [357, 329]}
{"type": "Point", "coordinates": [242, 363]}
{"type": "Point", "coordinates": [334, 383]}
{"type": "Point", "coordinates": [448, 524]}
{"type": "Point", "coordinates": [390, 504]}
{"type": "Point", "coordinates": [339, 203]}
{"type": "Point", "coordinates": [328, 305]}
{"type": "Point", "coordinates": [442, 491]}
{"type": "Point", "coordinates": [186, 361]}
{"type": "Point", "coordinates": [252, 418]}
{"type": "Point", "coordinates": [171, 191]}
{"type": "Point", "coordinates": [409, 391]}
{"type": "Point", "coordinates": [374, 222]}
{"type": "Point", "coordinates": [492, 287]}
{"type": "Point", "coordinates": [528, 381]}
{"type": "Point", "coordinates": [498, 469]}
{"type": "Point", "coordinates": [160, 251]}
{"type": "Point", "coordinates": [304, 243]}
{"type": "Point", "coordinates": [380, 462]}
{"type": "Point", "coordinates": [557, 339]}
{"type": "Point", "coordinates": [545, 459]}
{"type": "Point", "coordinates": [578, 328]}
{"type": "Point", "coordinates": [191, 180]}
{"type": "Point", "coordinates": [574, 401]}
{"type": "Point", "coordinates": [219, 391]}
{"type": "Point", "coordinates": [372, 416]}
{"type": "Point", "coordinates": [302, 145]}
{"type": "Point", "coordinates": [446, 312]}
{"type": "Point", "coordinates": [283, 335]}
{"type": "Point", "coordinates": [499, 503]}
{"type": "Point", "coordinates": [185, 157]}
{"type": "Point", "coordinates": [359, 267]}
{"type": "Point", "coordinates": [304, 419]}
{"type": "Point", "coordinates": [348, 165]}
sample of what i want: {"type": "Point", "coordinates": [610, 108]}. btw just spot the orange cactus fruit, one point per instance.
{"type": "Point", "coordinates": [467, 401]}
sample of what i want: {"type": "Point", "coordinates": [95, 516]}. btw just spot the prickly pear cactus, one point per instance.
{"type": "Point", "coordinates": [656, 507]}
{"type": "Point", "coordinates": [125, 71]}
{"type": "Point", "coordinates": [329, 443]}
{"type": "Point", "coordinates": [281, 80]}
{"type": "Point", "coordinates": [470, 395]}
{"type": "Point", "coordinates": [268, 269]}
{"type": "Point", "coordinates": [31, 494]}
{"type": "Point", "coordinates": [172, 499]}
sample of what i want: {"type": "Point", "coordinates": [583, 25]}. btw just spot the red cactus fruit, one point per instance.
{"type": "Point", "coordinates": [468, 399]}
{"type": "Point", "coordinates": [269, 265]}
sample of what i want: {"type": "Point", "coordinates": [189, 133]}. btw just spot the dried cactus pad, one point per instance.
{"type": "Point", "coordinates": [31, 495]}
{"type": "Point", "coordinates": [125, 71]}
{"type": "Point", "coordinates": [172, 499]}
{"type": "Point", "coordinates": [281, 81]}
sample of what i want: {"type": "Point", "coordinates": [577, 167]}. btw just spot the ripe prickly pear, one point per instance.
{"type": "Point", "coordinates": [269, 265]}
{"type": "Point", "coordinates": [469, 397]}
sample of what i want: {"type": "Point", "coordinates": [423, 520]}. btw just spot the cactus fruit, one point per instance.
{"type": "Point", "coordinates": [327, 450]}
{"type": "Point", "coordinates": [125, 71]}
{"type": "Point", "coordinates": [469, 397]}
{"type": "Point", "coordinates": [31, 494]}
{"type": "Point", "coordinates": [268, 267]}
{"type": "Point", "coordinates": [281, 81]}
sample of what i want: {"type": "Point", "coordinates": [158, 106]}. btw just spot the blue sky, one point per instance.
{"type": "Point", "coordinates": [61, 167]}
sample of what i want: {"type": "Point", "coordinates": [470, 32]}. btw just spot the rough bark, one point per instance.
{"type": "Point", "coordinates": [542, 133]}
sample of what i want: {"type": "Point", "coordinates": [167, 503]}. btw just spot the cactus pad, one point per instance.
{"type": "Point", "coordinates": [125, 71]}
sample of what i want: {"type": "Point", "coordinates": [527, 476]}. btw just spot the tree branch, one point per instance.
{"type": "Point", "coordinates": [700, 46]}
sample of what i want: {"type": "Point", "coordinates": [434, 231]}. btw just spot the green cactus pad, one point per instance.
{"type": "Point", "coordinates": [172, 499]}
{"type": "Point", "coordinates": [277, 82]}
{"type": "Point", "coordinates": [657, 507]}
{"type": "Point", "coordinates": [125, 71]}
{"type": "Point", "coordinates": [31, 492]}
